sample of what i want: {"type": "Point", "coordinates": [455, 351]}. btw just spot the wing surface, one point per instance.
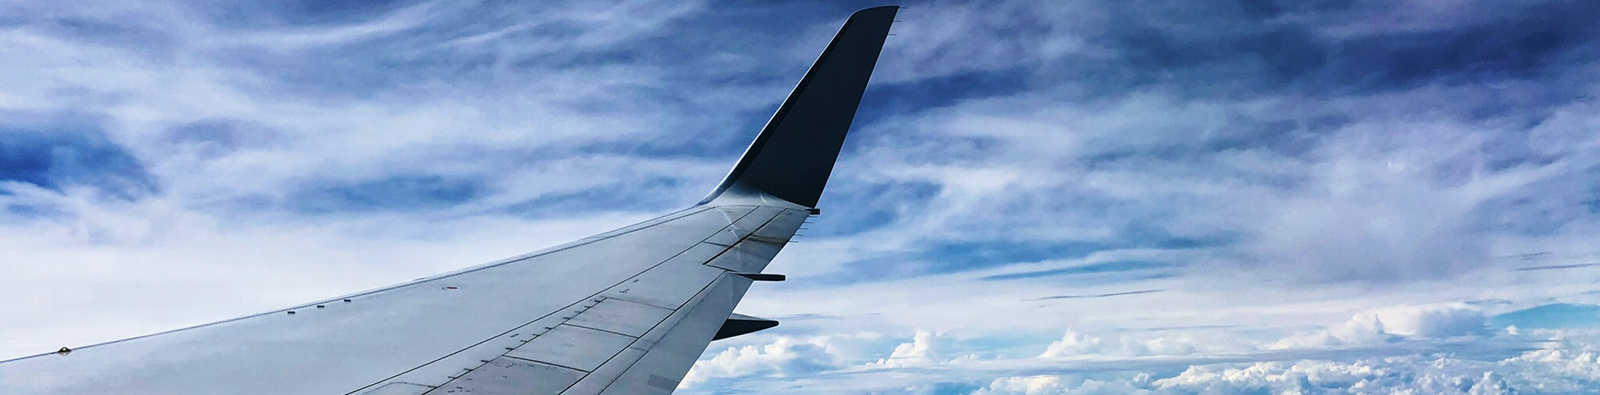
{"type": "Point", "coordinates": [624, 312]}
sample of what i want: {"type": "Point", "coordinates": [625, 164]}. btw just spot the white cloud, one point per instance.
{"type": "Point", "coordinates": [1566, 365]}
{"type": "Point", "coordinates": [1073, 343]}
{"type": "Point", "coordinates": [1358, 377]}
{"type": "Point", "coordinates": [925, 349]}
{"type": "Point", "coordinates": [229, 139]}
{"type": "Point", "coordinates": [1437, 321]}
{"type": "Point", "coordinates": [1391, 324]}
{"type": "Point", "coordinates": [784, 357]}
{"type": "Point", "coordinates": [1057, 385]}
{"type": "Point", "coordinates": [1565, 362]}
{"type": "Point", "coordinates": [1277, 211]}
{"type": "Point", "coordinates": [1361, 329]}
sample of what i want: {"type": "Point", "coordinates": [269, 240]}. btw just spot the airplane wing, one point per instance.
{"type": "Point", "coordinates": [623, 312]}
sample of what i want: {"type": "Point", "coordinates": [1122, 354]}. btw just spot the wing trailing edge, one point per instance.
{"type": "Point", "coordinates": [795, 152]}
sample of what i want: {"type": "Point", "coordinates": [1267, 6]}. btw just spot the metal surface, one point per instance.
{"type": "Point", "coordinates": [810, 126]}
{"type": "Point", "coordinates": [740, 324]}
{"type": "Point", "coordinates": [621, 316]}
{"type": "Point", "coordinates": [623, 312]}
{"type": "Point", "coordinates": [404, 327]}
{"type": "Point", "coordinates": [506, 375]}
{"type": "Point", "coordinates": [400, 389]}
{"type": "Point", "coordinates": [574, 347]}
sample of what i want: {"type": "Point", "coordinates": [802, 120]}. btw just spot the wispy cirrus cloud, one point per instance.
{"type": "Point", "coordinates": [1018, 168]}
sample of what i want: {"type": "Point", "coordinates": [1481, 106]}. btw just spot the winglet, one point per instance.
{"type": "Point", "coordinates": [794, 154]}
{"type": "Point", "coordinates": [740, 324]}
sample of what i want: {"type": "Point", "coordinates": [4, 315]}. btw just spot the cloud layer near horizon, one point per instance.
{"type": "Point", "coordinates": [1038, 197]}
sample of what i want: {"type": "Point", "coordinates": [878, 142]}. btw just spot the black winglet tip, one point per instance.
{"type": "Point", "coordinates": [875, 9]}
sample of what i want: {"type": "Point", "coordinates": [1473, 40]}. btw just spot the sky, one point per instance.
{"type": "Point", "coordinates": [1037, 197]}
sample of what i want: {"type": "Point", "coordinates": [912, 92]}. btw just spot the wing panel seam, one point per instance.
{"type": "Point", "coordinates": [563, 308]}
{"type": "Point", "coordinates": [680, 214]}
{"type": "Point", "coordinates": [585, 372]}
{"type": "Point", "coordinates": [607, 330]}
{"type": "Point", "coordinates": [675, 318]}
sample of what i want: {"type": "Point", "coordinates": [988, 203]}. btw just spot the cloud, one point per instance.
{"type": "Point", "coordinates": [1557, 367]}
{"type": "Point", "coordinates": [1550, 316]}
{"type": "Point", "coordinates": [61, 159]}
{"type": "Point", "coordinates": [1315, 187]}
{"type": "Point", "coordinates": [1393, 324]}
{"type": "Point", "coordinates": [1433, 321]}
{"type": "Point", "coordinates": [1091, 269]}
{"type": "Point", "coordinates": [1391, 375]}
{"type": "Point", "coordinates": [1570, 366]}
{"type": "Point", "coordinates": [1104, 295]}
{"type": "Point", "coordinates": [1053, 385]}
{"type": "Point", "coordinates": [182, 169]}
{"type": "Point", "coordinates": [925, 349]}
{"type": "Point", "coordinates": [1304, 172]}
{"type": "Point", "coordinates": [1084, 364]}
{"type": "Point", "coordinates": [1316, 375]}
{"type": "Point", "coordinates": [784, 357]}
{"type": "Point", "coordinates": [1073, 343]}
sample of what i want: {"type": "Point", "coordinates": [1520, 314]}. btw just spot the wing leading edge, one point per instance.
{"type": "Point", "coordinates": [624, 312]}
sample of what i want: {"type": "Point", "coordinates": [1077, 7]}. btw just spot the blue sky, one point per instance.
{"type": "Point", "coordinates": [1038, 197]}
